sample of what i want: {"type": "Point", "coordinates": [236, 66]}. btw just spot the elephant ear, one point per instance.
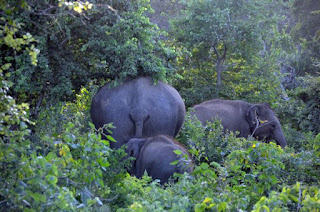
{"type": "Point", "coordinates": [134, 146]}
{"type": "Point", "coordinates": [252, 116]}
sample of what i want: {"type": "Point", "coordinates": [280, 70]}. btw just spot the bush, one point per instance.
{"type": "Point", "coordinates": [293, 198]}
{"type": "Point", "coordinates": [74, 171]}
{"type": "Point", "coordinates": [68, 167]}
{"type": "Point", "coordinates": [211, 142]}
{"type": "Point", "coordinates": [245, 172]}
{"type": "Point", "coordinates": [309, 94]}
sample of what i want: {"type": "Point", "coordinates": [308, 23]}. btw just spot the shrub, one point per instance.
{"type": "Point", "coordinates": [210, 142]}
{"type": "Point", "coordinates": [293, 198]}
{"type": "Point", "coordinates": [68, 167]}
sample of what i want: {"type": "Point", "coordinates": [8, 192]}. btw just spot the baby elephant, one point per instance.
{"type": "Point", "coordinates": [154, 155]}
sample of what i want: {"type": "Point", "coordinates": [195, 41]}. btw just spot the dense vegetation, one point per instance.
{"type": "Point", "coordinates": [56, 54]}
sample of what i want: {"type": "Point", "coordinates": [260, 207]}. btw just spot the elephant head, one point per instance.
{"type": "Point", "coordinates": [264, 124]}
{"type": "Point", "coordinates": [133, 150]}
{"type": "Point", "coordinates": [155, 155]}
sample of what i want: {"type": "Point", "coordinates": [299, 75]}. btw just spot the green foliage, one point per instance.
{"type": "Point", "coordinates": [80, 43]}
{"type": "Point", "coordinates": [60, 114]}
{"type": "Point", "coordinates": [76, 170]}
{"type": "Point", "coordinates": [52, 54]}
{"type": "Point", "coordinates": [63, 172]}
{"type": "Point", "coordinates": [242, 182]}
{"type": "Point", "coordinates": [233, 50]}
{"type": "Point", "coordinates": [259, 167]}
{"type": "Point", "coordinates": [309, 94]}
{"type": "Point", "coordinates": [62, 169]}
{"type": "Point", "coordinates": [296, 197]}
{"type": "Point", "coordinates": [208, 143]}
{"type": "Point", "coordinates": [255, 48]}
{"type": "Point", "coordinates": [306, 31]}
{"type": "Point", "coordinates": [302, 163]}
{"type": "Point", "coordinates": [67, 168]}
{"type": "Point", "coordinates": [14, 119]}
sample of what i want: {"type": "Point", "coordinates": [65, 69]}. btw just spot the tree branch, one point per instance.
{"type": "Point", "coordinates": [224, 51]}
{"type": "Point", "coordinates": [39, 103]}
{"type": "Point", "coordinates": [215, 50]}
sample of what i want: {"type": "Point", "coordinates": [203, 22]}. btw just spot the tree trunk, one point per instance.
{"type": "Point", "coordinates": [219, 64]}
{"type": "Point", "coordinates": [219, 81]}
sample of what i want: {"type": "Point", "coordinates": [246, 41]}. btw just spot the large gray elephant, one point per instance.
{"type": "Point", "coordinates": [257, 120]}
{"type": "Point", "coordinates": [138, 108]}
{"type": "Point", "coordinates": [154, 155]}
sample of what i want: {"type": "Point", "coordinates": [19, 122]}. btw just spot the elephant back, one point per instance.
{"type": "Point", "coordinates": [138, 108]}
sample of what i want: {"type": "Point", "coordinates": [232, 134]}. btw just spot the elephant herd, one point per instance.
{"type": "Point", "coordinates": [148, 116]}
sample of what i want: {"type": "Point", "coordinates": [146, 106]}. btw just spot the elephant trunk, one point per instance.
{"type": "Point", "coordinates": [279, 137]}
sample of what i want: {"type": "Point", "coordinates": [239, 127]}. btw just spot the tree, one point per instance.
{"type": "Point", "coordinates": [230, 43]}
{"type": "Point", "coordinates": [81, 43]}
{"type": "Point", "coordinates": [306, 32]}
{"type": "Point", "coordinates": [226, 34]}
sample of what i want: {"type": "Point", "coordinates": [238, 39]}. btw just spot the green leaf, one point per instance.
{"type": "Point", "coordinates": [174, 162]}
{"type": "Point", "coordinates": [38, 197]}
{"type": "Point", "coordinates": [222, 206]}
{"type": "Point", "coordinates": [105, 142]}
{"type": "Point", "coordinates": [266, 208]}
{"type": "Point", "coordinates": [110, 138]}
{"type": "Point", "coordinates": [204, 165]}
{"type": "Point", "coordinates": [52, 179]}
{"type": "Point", "coordinates": [199, 208]}
{"type": "Point", "coordinates": [54, 169]}
{"type": "Point", "coordinates": [215, 164]}
{"type": "Point", "coordinates": [92, 125]}
{"type": "Point", "coordinates": [35, 180]}
{"type": "Point", "coordinates": [103, 162]}
{"type": "Point", "coordinates": [294, 198]}
{"type": "Point", "coordinates": [41, 161]}
{"type": "Point", "coordinates": [178, 152]}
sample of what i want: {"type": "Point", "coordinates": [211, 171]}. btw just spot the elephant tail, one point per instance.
{"type": "Point", "coordinates": [138, 116]}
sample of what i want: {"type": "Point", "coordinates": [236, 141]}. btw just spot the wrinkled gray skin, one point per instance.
{"type": "Point", "coordinates": [138, 108]}
{"type": "Point", "coordinates": [257, 120]}
{"type": "Point", "coordinates": [154, 155]}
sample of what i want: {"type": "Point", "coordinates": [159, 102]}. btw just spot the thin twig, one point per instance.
{"type": "Point", "coordinates": [257, 123]}
{"type": "Point", "coordinates": [110, 200]}
{"type": "Point", "coordinates": [299, 201]}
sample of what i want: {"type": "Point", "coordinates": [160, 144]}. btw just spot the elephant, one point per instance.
{"type": "Point", "coordinates": [154, 155]}
{"type": "Point", "coordinates": [257, 120]}
{"type": "Point", "coordinates": [138, 108]}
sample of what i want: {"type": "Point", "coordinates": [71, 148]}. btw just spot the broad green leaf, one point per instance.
{"type": "Point", "coordinates": [50, 156]}
{"type": "Point", "coordinates": [178, 152]}
{"type": "Point", "coordinates": [110, 138]}
{"type": "Point", "coordinates": [215, 164]}
{"type": "Point", "coordinates": [91, 125]}
{"type": "Point", "coordinates": [52, 179]}
{"type": "Point", "coordinates": [54, 169]}
{"type": "Point", "coordinates": [199, 208]}
{"type": "Point", "coordinates": [38, 197]}
{"type": "Point", "coordinates": [174, 162]}
{"type": "Point", "coordinates": [204, 165]}
{"type": "Point", "coordinates": [294, 198]}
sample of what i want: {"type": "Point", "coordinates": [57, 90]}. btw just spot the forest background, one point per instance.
{"type": "Point", "coordinates": [56, 54]}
